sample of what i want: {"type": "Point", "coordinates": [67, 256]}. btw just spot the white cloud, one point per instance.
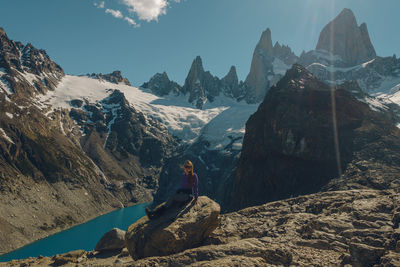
{"type": "Point", "coordinates": [99, 5]}
{"type": "Point", "coordinates": [131, 22]}
{"type": "Point", "coordinates": [115, 13]}
{"type": "Point", "coordinates": [147, 9]}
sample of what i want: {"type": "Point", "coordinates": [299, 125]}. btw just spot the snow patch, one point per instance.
{"type": "Point", "coordinates": [364, 65]}
{"type": "Point", "coordinates": [9, 115]}
{"type": "Point", "coordinates": [228, 125]}
{"type": "Point", "coordinates": [5, 136]}
{"type": "Point", "coordinates": [279, 66]}
{"type": "Point", "coordinates": [326, 55]}
{"type": "Point", "coordinates": [6, 87]}
{"type": "Point", "coordinates": [375, 104]}
{"type": "Point", "coordinates": [62, 128]}
{"type": "Point", "coordinates": [30, 77]}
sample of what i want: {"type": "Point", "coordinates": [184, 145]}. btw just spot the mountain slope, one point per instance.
{"type": "Point", "coordinates": [66, 162]}
{"type": "Point", "coordinates": [306, 133]}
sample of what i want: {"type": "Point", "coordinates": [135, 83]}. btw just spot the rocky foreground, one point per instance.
{"type": "Point", "coordinates": [354, 228]}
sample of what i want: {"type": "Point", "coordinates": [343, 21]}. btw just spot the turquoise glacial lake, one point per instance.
{"type": "Point", "coordinates": [84, 236]}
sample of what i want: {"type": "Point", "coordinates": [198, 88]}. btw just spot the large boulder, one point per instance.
{"type": "Point", "coordinates": [176, 230]}
{"type": "Point", "coordinates": [113, 240]}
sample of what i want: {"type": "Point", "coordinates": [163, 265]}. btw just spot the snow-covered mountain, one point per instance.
{"type": "Point", "coordinates": [178, 116]}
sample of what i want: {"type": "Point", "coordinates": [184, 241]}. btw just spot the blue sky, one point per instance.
{"type": "Point", "coordinates": [142, 37]}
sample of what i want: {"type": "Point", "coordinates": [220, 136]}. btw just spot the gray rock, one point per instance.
{"type": "Point", "coordinates": [161, 85]}
{"type": "Point", "coordinates": [176, 230]}
{"type": "Point", "coordinates": [344, 38]}
{"type": "Point", "coordinates": [113, 240]}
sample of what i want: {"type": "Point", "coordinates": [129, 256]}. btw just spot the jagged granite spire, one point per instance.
{"type": "Point", "coordinates": [344, 38]}
{"type": "Point", "coordinates": [17, 58]}
{"type": "Point", "coordinates": [200, 84]}
{"type": "Point", "coordinates": [261, 67]}
{"type": "Point", "coordinates": [161, 85]}
{"type": "Point", "coordinates": [230, 84]}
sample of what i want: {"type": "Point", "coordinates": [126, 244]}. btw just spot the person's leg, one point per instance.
{"type": "Point", "coordinates": [158, 211]}
{"type": "Point", "coordinates": [176, 199]}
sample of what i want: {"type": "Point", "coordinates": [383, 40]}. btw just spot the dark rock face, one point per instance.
{"type": "Point", "coordinates": [161, 85]}
{"type": "Point", "coordinates": [344, 38]}
{"type": "Point", "coordinates": [215, 169]}
{"type": "Point", "coordinates": [230, 85]}
{"type": "Point", "coordinates": [304, 134]}
{"type": "Point", "coordinates": [129, 148]}
{"type": "Point", "coordinates": [114, 77]}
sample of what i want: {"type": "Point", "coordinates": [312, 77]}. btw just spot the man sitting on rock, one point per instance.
{"type": "Point", "coordinates": [189, 185]}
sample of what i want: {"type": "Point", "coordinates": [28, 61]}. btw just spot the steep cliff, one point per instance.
{"type": "Point", "coordinates": [304, 134]}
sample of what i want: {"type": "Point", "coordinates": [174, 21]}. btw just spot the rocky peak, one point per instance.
{"type": "Point", "coordinates": [114, 77]}
{"type": "Point", "coordinates": [342, 37]}
{"type": "Point", "coordinates": [284, 53]}
{"type": "Point", "coordinates": [231, 77]}
{"type": "Point", "coordinates": [161, 85]}
{"type": "Point", "coordinates": [262, 73]}
{"type": "Point", "coordinates": [230, 84]}
{"type": "Point", "coordinates": [38, 62]}
{"type": "Point", "coordinates": [200, 84]}
{"type": "Point", "coordinates": [18, 59]}
{"type": "Point", "coordinates": [9, 53]}
{"type": "Point", "coordinates": [265, 43]}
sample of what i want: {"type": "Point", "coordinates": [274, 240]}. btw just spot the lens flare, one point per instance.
{"type": "Point", "coordinates": [333, 98]}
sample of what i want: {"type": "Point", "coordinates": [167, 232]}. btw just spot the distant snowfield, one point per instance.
{"type": "Point", "coordinates": [219, 122]}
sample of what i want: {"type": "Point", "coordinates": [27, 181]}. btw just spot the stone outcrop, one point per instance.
{"type": "Point", "coordinates": [300, 139]}
{"type": "Point", "coordinates": [176, 230]}
{"type": "Point", "coordinates": [343, 37]}
{"type": "Point", "coordinates": [161, 85]}
{"type": "Point", "coordinates": [354, 228]}
{"type": "Point", "coordinates": [113, 240]}
{"type": "Point", "coordinates": [114, 77]}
